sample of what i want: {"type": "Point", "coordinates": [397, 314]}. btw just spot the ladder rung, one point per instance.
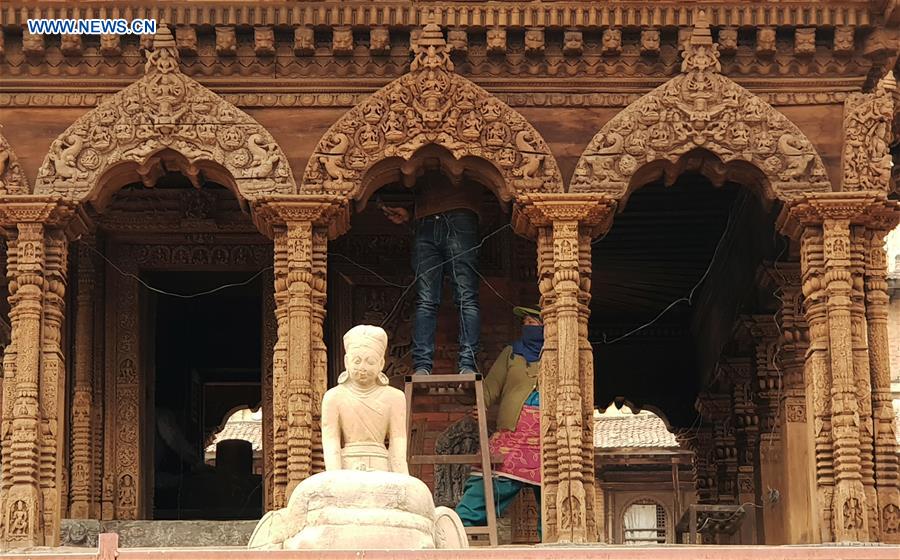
{"type": "Point", "coordinates": [455, 378]}
{"type": "Point", "coordinates": [451, 459]}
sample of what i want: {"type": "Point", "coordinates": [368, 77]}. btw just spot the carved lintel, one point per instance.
{"type": "Point", "coordinates": [49, 210]}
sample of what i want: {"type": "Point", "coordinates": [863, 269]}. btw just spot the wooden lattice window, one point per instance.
{"type": "Point", "coordinates": [644, 522]}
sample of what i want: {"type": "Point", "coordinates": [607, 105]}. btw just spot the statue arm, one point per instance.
{"type": "Point", "coordinates": [331, 433]}
{"type": "Point", "coordinates": [397, 435]}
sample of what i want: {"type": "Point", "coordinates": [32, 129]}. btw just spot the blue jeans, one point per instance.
{"type": "Point", "coordinates": [446, 241]}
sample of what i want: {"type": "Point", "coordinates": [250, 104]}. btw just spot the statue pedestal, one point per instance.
{"type": "Point", "coordinates": [346, 509]}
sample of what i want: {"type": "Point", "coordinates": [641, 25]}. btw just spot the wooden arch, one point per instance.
{"type": "Point", "coordinates": [431, 107]}
{"type": "Point", "coordinates": [165, 119]}
{"type": "Point", "coordinates": [700, 110]}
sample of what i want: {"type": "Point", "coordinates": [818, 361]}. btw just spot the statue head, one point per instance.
{"type": "Point", "coordinates": [364, 349]}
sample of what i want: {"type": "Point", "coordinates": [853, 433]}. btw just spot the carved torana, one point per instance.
{"type": "Point", "coordinates": [700, 108]}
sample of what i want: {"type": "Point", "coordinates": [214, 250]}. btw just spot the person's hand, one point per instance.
{"type": "Point", "coordinates": [397, 214]}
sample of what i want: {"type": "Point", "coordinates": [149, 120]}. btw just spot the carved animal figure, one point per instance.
{"type": "Point", "coordinates": [332, 160]}
{"type": "Point", "coordinates": [265, 154]}
{"type": "Point", "coordinates": [531, 162]}
{"type": "Point", "coordinates": [65, 162]}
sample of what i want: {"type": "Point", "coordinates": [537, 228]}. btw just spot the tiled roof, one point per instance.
{"type": "Point", "coordinates": [616, 429]}
{"type": "Point", "coordinates": [247, 430]}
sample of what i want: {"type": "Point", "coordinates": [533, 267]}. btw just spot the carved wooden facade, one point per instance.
{"type": "Point", "coordinates": [830, 378]}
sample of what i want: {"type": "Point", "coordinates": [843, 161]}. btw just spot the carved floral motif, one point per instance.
{"type": "Point", "coordinates": [700, 108]}
{"type": "Point", "coordinates": [164, 109]}
{"type": "Point", "coordinates": [431, 105]}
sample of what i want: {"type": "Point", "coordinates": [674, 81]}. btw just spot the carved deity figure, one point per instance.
{"type": "Point", "coordinates": [18, 523]}
{"type": "Point", "coordinates": [362, 411]}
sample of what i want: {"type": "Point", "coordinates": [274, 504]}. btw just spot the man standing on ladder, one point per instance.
{"type": "Point", "coordinates": [446, 238]}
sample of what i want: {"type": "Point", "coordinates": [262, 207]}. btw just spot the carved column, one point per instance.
{"type": "Point", "coordinates": [836, 364]}
{"type": "Point", "coordinates": [769, 383]}
{"type": "Point", "coordinates": [81, 462]}
{"type": "Point", "coordinates": [793, 431]}
{"type": "Point", "coordinates": [31, 436]}
{"type": "Point", "coordinates": [886, 463]}
{"type": "Point", "coordinates": [270, 337]}
{"type": "Point", "coordinates": [564, 226]}
{"type": "Point", "coordinates": [300, 228]}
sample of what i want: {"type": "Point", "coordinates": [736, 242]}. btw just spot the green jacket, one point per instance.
{"type": "Point", "coordinates": [510, 381]}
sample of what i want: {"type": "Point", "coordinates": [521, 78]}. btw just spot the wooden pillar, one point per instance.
{"type": "Point", "coordinates": [886, 462]}
{"type": "Point", "coordinates": [300, 227]}
{"type": "Point", "coordinates": [790, 467]}
{"type": "Point", "coordinates": [32, 435]}
{"type": "Point", "coordinates": [838, 361]}
{"type": "Point", "coordinates": [564, 226]}
{"type": "Point", "coordinates": [81, 462]}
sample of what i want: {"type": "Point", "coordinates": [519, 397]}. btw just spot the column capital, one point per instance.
{"type": "Point", "coordinates": [534, 210]}
{"type": "Point", "coordinates": [49, 210]}
{"type": "Point", "coordinates": [331, 211]}
{"type": "Point", "coordinates": [857, 208]}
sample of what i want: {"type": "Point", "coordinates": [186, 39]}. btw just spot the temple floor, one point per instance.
{"type": "Point", "coordinates": [861, 551]}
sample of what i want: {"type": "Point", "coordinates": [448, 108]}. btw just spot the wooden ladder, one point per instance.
{"type": "Point", "coordinates": [483, 456]}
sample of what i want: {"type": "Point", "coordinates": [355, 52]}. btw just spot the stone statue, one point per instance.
{"type": "Point", "coordinates": [365, 499]}
{"type": "Point", "coordinates": [363, 410]}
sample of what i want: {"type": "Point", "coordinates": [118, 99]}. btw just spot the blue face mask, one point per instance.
{"type": "Point", "coordinates": [531, 343]}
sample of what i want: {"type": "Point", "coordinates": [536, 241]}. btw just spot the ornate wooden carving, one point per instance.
{"type": "Point", "coordinates": [887, 465]}
{"type": "Point", "coordinates": [700, 108]}
{"type": "Point", "coordinates": [866, 158]}
{"type": "Point", "coordinates": [81, 463]}
{"type": "Point", "coordinates": [835, 260]}
{"type": "Point", "coordinates": [300, 227]}
{"type": "Point", "coordinates": [34, 384]}
{"type": "Point", "coordinates": [165, 110]}
{"type": "Point", "coordinates": [431, 105]}
{"type": "Point", "coordinates": [12, 178]}
{"type": "Point", "coordinates": [564, 225]}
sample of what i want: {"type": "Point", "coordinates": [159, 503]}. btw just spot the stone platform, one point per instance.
{"type": "Point", "coordinates": [668, 552]}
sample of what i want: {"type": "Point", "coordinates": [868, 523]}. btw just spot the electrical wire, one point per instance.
{"type": "Point", "coordinates": [173, 294]}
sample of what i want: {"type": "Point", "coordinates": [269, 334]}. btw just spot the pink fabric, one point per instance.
{"type": "Point", "coordinates": [521, 448]}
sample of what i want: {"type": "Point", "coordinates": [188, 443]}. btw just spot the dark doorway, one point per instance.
{"type": "Point", "coordinates": [207, 360]}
